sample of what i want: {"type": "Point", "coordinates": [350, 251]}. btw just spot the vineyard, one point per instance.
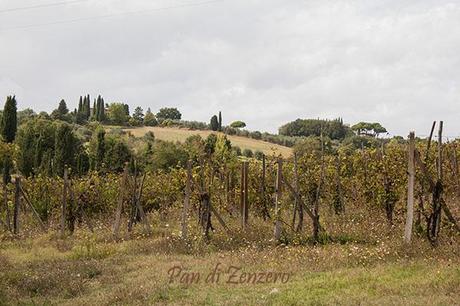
{"type": "Point", "coordinates": [300, 195]}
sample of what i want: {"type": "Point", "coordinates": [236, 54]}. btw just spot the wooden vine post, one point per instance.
{"type": "Point", "coordinates": [263, 189]}
{"type": "Point", "coordinates": [121, 197]}
{"type": "Point", "coordinates": [17, 204]}
{"type": "Point", "coordinates": [186, 208]}
{"type": "Point", "coordinates": [64, 202]}
{"type": "Point", "coordinates": [278, 194]}
{"type": "Point", "coordinates": [244, 195]}
{"type": "Point", "coordinates": [410, 189]}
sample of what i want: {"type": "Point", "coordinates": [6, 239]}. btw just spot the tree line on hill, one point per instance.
{"type": "Point", "coordinates": [46, 143]}
{"type": "Point", "coordinates": [114, 113]}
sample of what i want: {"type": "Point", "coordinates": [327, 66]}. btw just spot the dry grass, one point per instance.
{"type": "Point", "coordinates": [176, 134]}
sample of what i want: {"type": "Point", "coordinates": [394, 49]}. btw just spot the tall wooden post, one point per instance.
{"type": "Point", "coordinates": [298, 205]}
{"type": "Point", "coordinates": [263, 189]}
{"type": "Point", "coordinates": [278, 186]}
{"type": "Point", "coordinates": [121, 197]}
{"type": "Point", "coordinates": [64, 202]}
{"type": "Point", "coordinates": [186, 209]}
{"type": "Point", "coordinates": [440, 178]}
{"type": "Point", "coordinates": [410, 189]}
{"type": "Point", "coordinates": [242, 195]}
{"type": "Point", "coordinates": [439, 164]}
{"type": "Point", "coordinates": [17, 204]}
{"type": "Point", "coordinates": [246, 194]}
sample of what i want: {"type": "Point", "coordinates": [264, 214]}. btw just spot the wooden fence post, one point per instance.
{"type": "Point", "coordinates": [64, 203]}
{"type": "Point", "coordinates": [121, 197]}
{"type": "Point", "coordinates": [185, 211]}
{"type": "Point", "coordinates": [279, 178]}
{"type": "Point", "coordinates": [410, 189]}
{"type": "Point", "coordinates": [17, 204]}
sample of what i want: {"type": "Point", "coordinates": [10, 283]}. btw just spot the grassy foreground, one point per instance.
{"type": "Point", "coordinates": [87, 269]}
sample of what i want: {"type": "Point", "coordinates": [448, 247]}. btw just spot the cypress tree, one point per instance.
{"type": "Point", "coordinates": [102, 110]}
{"type": "Point", "coordinates": [88, 107]}
{"type": "Point", "coordinates": [9, 126]}
{"type": "Point", "coordinates": [220, 121]}
{"type": "Point", "coordinates": [214, 123]}
{"type": "Point", "coordinates": [80, 105]}
{"type": "Point", "coordinates": [94, 111]}
{"type": "Point", "coordinates": [100, 149]}
{"type": "Point", "coordinates": [65, 143]}
{"type": "Point", "coordinates": [9, 120]}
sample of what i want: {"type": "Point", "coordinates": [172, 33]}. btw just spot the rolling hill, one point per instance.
{"type": "Point", "coordinates": [177, 134]}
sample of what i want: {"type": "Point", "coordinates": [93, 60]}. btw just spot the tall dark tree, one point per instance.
{"type": "Point", "coordinates": [62, 108]}
{"type": "Point", "coordinates": [138, 114]}
{"type": "Point", "coordinates": [100, 149]}
{"type": "Point", "coordinates": [80, 105]}
{"type": "Point", "coordinates": [65, 148]}
{"type": "Point", "coordinates": [9, 120]}
{"type": "Point", "coordinates": [62, 112]}
{"type": "Point", "coordinates": [214, 124]}
{"type": "Point", "coordinates": [94, 110]}
{"type": "Point", "coordinates": [220, 121]}
{"type": "Point", "coordinates": [88, 108]}
{"type": "Point", "coordinates": [9, 125]}
{"type": "Point", "coordinates": [126, 106]}
{"type": "Point", "coordinates": [100, 109]}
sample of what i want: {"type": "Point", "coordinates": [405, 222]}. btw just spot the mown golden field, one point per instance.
{"type": "Point", "coordinates": [178, 134]}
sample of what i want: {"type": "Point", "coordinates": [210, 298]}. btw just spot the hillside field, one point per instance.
{"type": "Point", "coordinates": [176, 134]}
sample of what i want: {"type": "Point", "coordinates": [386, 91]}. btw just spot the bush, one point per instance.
{"type": "Point", "coordinates": [236, 150]}
{"type": "Point", "coordinates": [259, 155]}
{"type": "Point", "coordinates": [248, 153]}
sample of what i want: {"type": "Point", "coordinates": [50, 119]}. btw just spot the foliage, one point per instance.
{"type": "Point", "coordinates": [167, 155]}
{"type": "Point", "coordinates": [334, 129]}
{"type": "Point", "coordinates": [66, 148]}
{"type": "Point", "coordinates": [117, 114]}
{"type": "Point", "coordinates": [368, 129]}
{"type": "Point", "coordinates": [138, 117]}
{"type": "Point", "coordinates": [62, 112]}
{"type": "Point", "coordinates": [168, 113]}
{"type": "Point", "coordinates": [36, 142]}
{"type": "Point", "coordinates": [238, 124]}
{"type": "Point", "coordinates": [149, 119]}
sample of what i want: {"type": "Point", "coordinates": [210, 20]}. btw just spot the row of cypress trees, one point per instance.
{"type": "Point", "coordinates": [85, 112]}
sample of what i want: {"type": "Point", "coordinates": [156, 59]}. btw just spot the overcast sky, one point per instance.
{"type": "Point", "coordinates": [265, 62]}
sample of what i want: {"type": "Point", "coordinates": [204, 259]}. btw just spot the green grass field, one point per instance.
{"type": "Point", "coordinates": [176, 134]}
